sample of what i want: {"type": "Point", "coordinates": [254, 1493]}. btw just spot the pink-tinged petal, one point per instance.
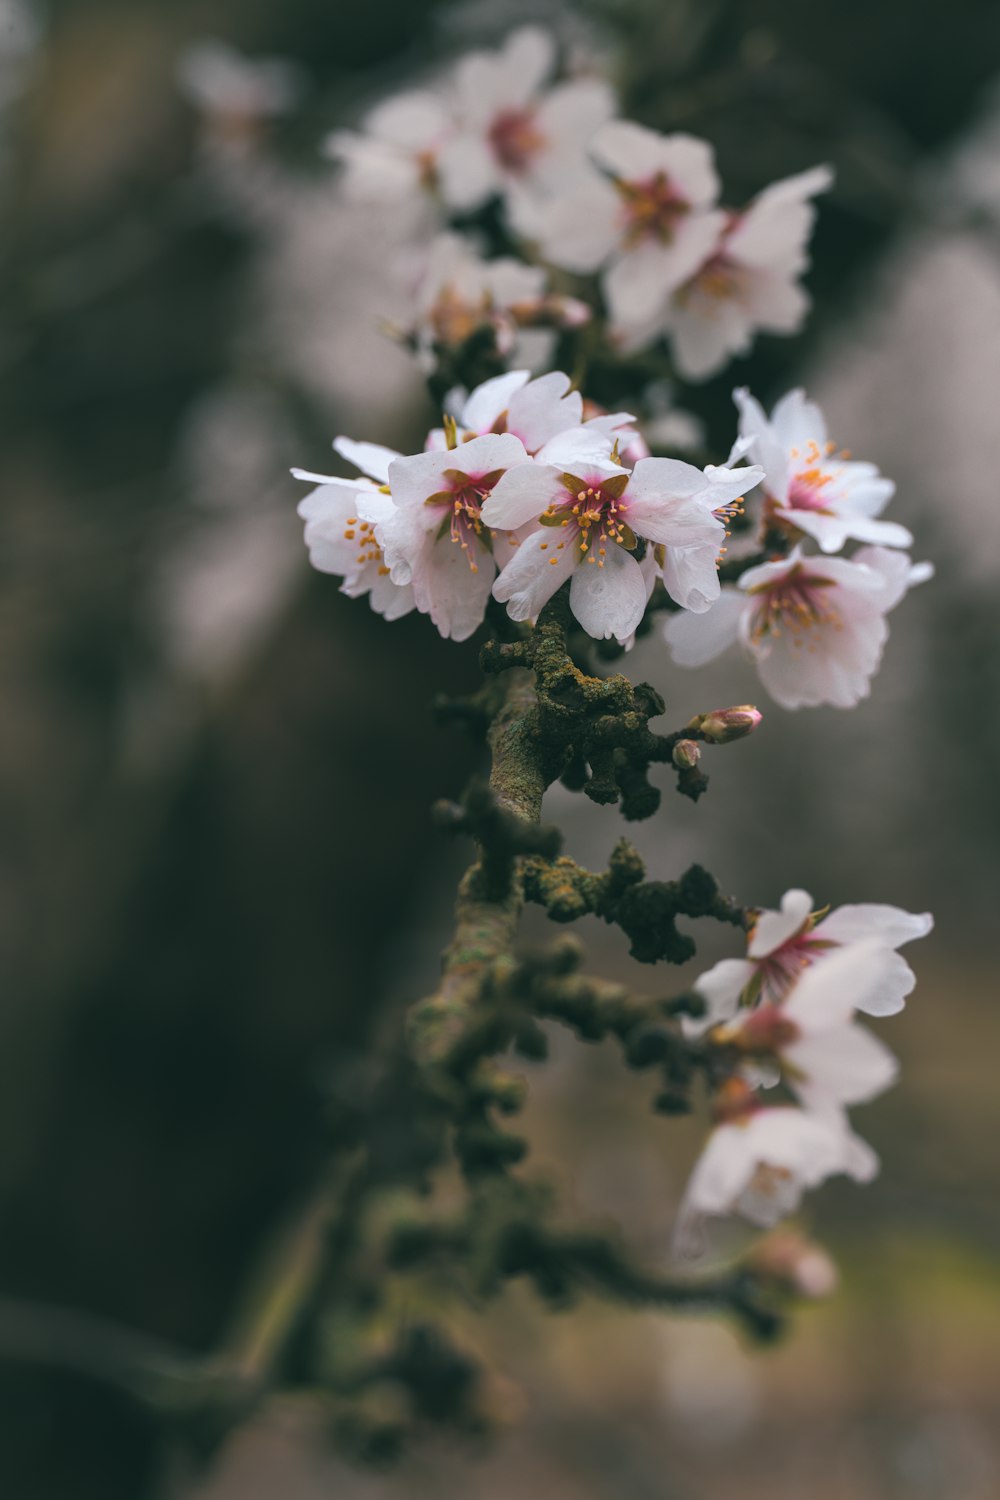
{"type": "Point", "coordinates": [451, 592]}
{"type": "Point", "coordinates": [579, 447]}
{"type": "Point", "coordinates": [635, 154]}
{"type": "Point", "coordinates": [776, 303]}
{"type": "Point", "coordinates": [773, 928]}
{"type": "Point", "coordinates": [370, 458]}
{"type": "Point", "coordinates": [411, 121]}
{"type": "Point", "coordinates": [845, 1064]}
{"type": "Point", "coordinates": [639, 281]}
{"type": "Point", "coordinates": [776, 226]}
{"type": "Point", "coordinates": [466, 172]}
{"type": "Point", "coordinates": [798, 423]}
{"type": "Point", "coordinates": [535, 571]}
{"type": "Point", "coordinates": [706, 332]}
{"type": "Point", "coordinates": [894, 571]}
{"type": "Point", "coordinates": [544, 409]}
{"type": "Point", "coordinates": [573, 111]}
{"type": "Point", "coordinates": [414, 479]}
{"type": "Point", "coordinates": [581, 228]}
{"type": "Point", "coordinates": [653, 477]}
{"type": "Point", "coordinates": [832, 531]}
{"type": "Point", "coordinates": [490, 400]}
{"type": "Point", "coordinates": [874, 922]}
{"type": "Point", "coordinates": [839, 982]}
{"type": "Point", "coordinates": [721, 989]}
{"type": "Point", "coordinates": [609, 600]}
{"type": "Point", "coordinates": [691, 577]}
{"type": "Point", "coordinates": [522, 495]}
{"type": "Point", "coordinates": [695, 639]}
{"type": "Point", "coordinates": [767, 449]}
{"type": "Point", "coordinates": [674, 520]}
{"type": "Point", "coordinates": [406, 542]}
{"type": "Point", "coordinates": [390, 600]}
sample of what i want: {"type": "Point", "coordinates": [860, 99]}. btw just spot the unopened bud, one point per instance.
{"type": "Point", "coordinates": [790, 1257]}
{"type": "Point", "coordinates": [724, 724]}
{"type": "Point", "coordinates": [686, 755]}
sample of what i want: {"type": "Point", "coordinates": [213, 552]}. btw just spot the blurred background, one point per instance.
{"type": "Point", "coordinates": [218, 876]}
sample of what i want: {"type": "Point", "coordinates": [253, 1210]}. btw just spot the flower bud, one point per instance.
{"type": "Point", "coordinates": [686, 755]}
{"type": "Point", "coordinates": [724, 724]}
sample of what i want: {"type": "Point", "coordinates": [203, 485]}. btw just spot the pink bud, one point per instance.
{"type": "Point", "coordinates": [686, 755]}
{"type": "Point", "coordinates": [724, 724]}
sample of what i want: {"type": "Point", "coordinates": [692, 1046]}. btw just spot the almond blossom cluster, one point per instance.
{"type": "Point", "coordinates": [786, 1017]}
{"type": "Point", "coordinates": [590, 194]}
{"type": "Point", "coordinates": [615, 237]}
{"type": "Point", "coordinates": [517, 496]}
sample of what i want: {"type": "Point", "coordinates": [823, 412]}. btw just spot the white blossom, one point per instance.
{"type": "Point", "coordinates": [232, 88]}
{"type": "Point", "coordinates": [458, 292]}
{"type": "Point", "coordinates": [783, 944]}
{"type": "Point", "coordinates": [437, 540]}
{"type": "Point", "coordinates": [826, 1059]}
{"type": "Point", "coordinates": [815, 626]}
{"type": "Point", "coordinates": [395, 153]}
{"type": "Point", "coordinates": [341, 516]}
{"type": "Point", "coordinates": [749, 282]}
{"type": "Point", "coordinates": [648, 219]}
{"type": "Point", "coordinates": [759, 1160]}
{"type": "Point", "coordinates": [511, 135]}
{"type": "Point", "coordinates": [810, 488]}
{"type": "Point", "coordinates": [591, 511]}
{"type": "Point", "coordinates": [533, 410]}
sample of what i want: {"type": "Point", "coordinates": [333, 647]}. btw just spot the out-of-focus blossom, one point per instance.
{"type": "Point", "coordinates": [533, 410]}
{"type": "Point", "coordinates": [395, 154]}
{"type": "Point", "coordinates": [437, 539]}
{"type": "Point", "coordinates": [815, 626]}
{"type": "Point", "coordinates": [511, 134]}
{"type": "Point", "coordinates": [783, 944]}
{"type": "Point", "coordinates": [759, 1160]}
{"type": "Point", "coordinates": [236, 92]}
{"type": "Point", "coordinates": [823, 1056]}
{"type": "Point", "coordinates": [458, 294]}
{"type": "Point", "coordinates": [748, 284]}
{"type": "Point", "coordinates": [650, 222]}
{"type": "Point", "coordinates": [341, 516]}
{"type": "Point", "coordinates": [591, 512]}
{"type": "Point", "coordinates": [810, 488]}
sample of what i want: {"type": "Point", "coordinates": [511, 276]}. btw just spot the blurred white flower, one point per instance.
{"type": "Point", "coordinates": [749, 283]}
{"type": "Point", "coordinates": [237, 90]}
{"type": "Point", "coordinates": [810, 488]}
{"type": "Point", "coordinates": [649, 219]}
{"type": "Point", "coordinates": [759, 1160]}
{"type": "Point", "coordinates": [783, 944]}
{"type": "Point", "coordinates": [815, 626]}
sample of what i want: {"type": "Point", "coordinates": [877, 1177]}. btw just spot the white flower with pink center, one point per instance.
{"type": "Point", "coordinates": [457, 293]}
{"type": "Point", "coordinates": [533, 410]}
{"type": "Point", "coordinates": [760, 1159]}
{"type": "Point", "coordinates": [437, 540]}
{"type": "Point", "coordinates": [815, 626]}
{"type": "Point", "coordinates": [782, 945]}
{"type": "Point", "coordinates": [395, 153]}
{"type": "Point", "coordinates": [650, 221]}
{"type": "Point", "coordinates": [749, 282]}
{"type": "Point", "coordinates": [809, 486]}
{"type": "Point", "coordinates": [512, 135]}
{"type": "Point", "coordinates": [591, 513]}
{"type": "Point", "coordinates": [341, 516]}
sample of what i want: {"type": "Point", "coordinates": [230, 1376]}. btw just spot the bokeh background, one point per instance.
{"type": "Point", "coordinates": [218, 876]}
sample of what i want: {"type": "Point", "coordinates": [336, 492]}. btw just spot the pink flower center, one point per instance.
{"type": "Point", "coordinates": [808, 488]}
{"type": "Point", "coordinates": [767, 1029]}
{"type": "Point", "coordinates": [796, 603]}
{"type": "Point", "coordinates": [653, 209]}
{"type": "Point", "coordinates": [718, 280]}
{"type": "Point", "coordinates": [462, 501]}
{"type": "Point", "coordinates": [593, 514]}
{"type": "Point", "coordinates": [515, 139]}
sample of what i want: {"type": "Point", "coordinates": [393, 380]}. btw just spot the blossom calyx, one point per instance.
{"type": "Point", "coordinates": [721, 725]}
